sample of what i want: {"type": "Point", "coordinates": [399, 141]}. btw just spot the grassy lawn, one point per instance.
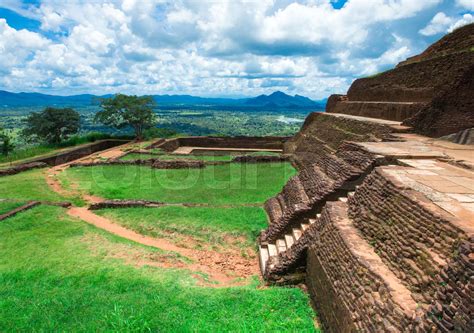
{"type": "Point", "coordinates": [29, 185]}
{"type": "Point", "coordinates": [208, 223]}
{"type": "Point", "coordinates": [59, 274]}
{"type": "Point", "coordinates": [231, 183]}
{"type": "Point", "coordinates": [6, 206]}
{"type": "Point", "coordinates": [26, 153]}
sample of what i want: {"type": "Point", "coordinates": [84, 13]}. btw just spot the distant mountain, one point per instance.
{"type": "Point", "coordinates": [280, 99]}
{"type": "Point", "coordinates": [276, 100]}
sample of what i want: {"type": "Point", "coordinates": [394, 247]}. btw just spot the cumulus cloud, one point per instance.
{"type": "Point", "coordinates": [214, 48]}
{"type": "Point", "coordinates": [441, 23]}
{"type": "Point", "coordinates": [467, 4]}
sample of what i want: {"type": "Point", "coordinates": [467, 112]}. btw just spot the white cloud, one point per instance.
{"type": "Point", "coordinates": [17, 45]}
{"type": "Point", "coordinates": [467, 4]}
{"type": "Point", "coordinates": [439, 23]}
{"type": "Point", "coordinates": [212, 48]}
{"type": "Point", "coordinates": [466, 19]}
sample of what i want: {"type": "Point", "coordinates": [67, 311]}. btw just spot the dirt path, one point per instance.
{"type": "Point", "coordinates": [223, 268]}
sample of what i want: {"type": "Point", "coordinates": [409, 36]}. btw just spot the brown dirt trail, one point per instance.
{"type": "Point", "coordinates": [225, 269]}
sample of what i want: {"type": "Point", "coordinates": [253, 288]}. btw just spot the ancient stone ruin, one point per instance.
{"type": "Point", "coordinates": [379, 220]}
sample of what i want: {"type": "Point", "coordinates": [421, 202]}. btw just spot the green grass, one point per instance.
{"type": "Point", "coordinates": [29, 185]}
{"type": "Point", "coordinates": [57, 274]}
{"type": "Point", "coordinates": [231, 183]}
{"type": "Point", "coordinates": [44, 149]}
{"type": "Point", "coordinates": [6, 206]}
{"type": "Point", "coordinates": [25, 153]}
{"type": "Point", "coordinates": [209, 223]}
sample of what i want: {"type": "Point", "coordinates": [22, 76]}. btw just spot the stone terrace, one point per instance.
{"type": "Point", "coordinates": [381, 230]}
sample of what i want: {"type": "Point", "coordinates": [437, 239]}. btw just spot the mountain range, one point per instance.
{"type": "Point", "coordinates": [277, 99]}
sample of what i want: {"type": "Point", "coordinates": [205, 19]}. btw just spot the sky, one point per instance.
{"type": "Point", "coordinates": [213, 48]}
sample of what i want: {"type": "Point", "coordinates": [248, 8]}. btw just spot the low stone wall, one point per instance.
{"type": "Point", "coordinates": [152, 162]}
{"type": "Point", "coordinates": [15, 211]}
{"type": "Point", "coordinates": [124, 204]}
{"type": "Point", "coordinates": [413, 239]}
{"type": "Point", "coordinates": [21, 168]}
{"type": "Point", "coordinates": [351, 288]}
{"type": "Point", "coordinates": [259, 159]}
{"type": "Point", "coordinates": [76, 153]}
{"type": "Point", "coordinates": [149, 162]}
{"type": "Point", "coordinates": [226, 142]}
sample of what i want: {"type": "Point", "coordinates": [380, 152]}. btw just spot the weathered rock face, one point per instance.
{"type": "Point", "coordinates": [451, 111]}
{"type": "Point", "coordinates": [431, 92]}
{"type": "Point", "coordinates": [461, 40]}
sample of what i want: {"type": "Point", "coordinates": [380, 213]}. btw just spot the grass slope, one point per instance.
{"type": "Point", "coordinates": [6, 206]}
{"type": "Point", "coordinates": [29, 185]}
{"type": "Point", "coordinates": [208, 223]}
{"type": "Point", "coordinates": [51, 279]}
{"type": "Point", "coordinates": [231, 183]}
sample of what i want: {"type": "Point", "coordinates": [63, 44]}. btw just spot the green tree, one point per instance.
{"type": "Point", "coordinates": [52, 125]}
{"type": "Point", "coordinates": [121, 111]}
{"type": "Point", "coordinates": [6, 145]}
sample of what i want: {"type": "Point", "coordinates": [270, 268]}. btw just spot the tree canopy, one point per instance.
{"type": "Point", "coordinates": [52, 125]}
{"type": "Point", "coordinates": [122, 110]}
{"type": "Point", "coordinates": [6, 146]}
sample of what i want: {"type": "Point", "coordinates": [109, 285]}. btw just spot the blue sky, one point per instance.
{"type": "Point", "coordinates": [213, 48]}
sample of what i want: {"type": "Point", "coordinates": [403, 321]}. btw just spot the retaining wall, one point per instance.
{"type": "Point", "coordinates": [380, 110]}
{"type": "Point", "coordinates": [226, 142]}
{"type": "Point", "coordinates": [413, 237]}
{"type": "Point", "coordinates": [351, 288]}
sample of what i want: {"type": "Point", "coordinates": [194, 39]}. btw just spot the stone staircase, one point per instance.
{"type": "Point", "coordinates": [283, 261]}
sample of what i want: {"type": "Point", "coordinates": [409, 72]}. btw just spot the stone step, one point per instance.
{"type": "Point", "coordinates": [318, 215]}
{"type": "Point", "coordinates": [343, 199]}
{"type": "Point", "coordinates": [272, 250]}
{"type": "Point", "coordinates": [311, 221]}
{"type": "Point", "coordinates": [296, 233]}
{"type": "Point", "coordinates": [304, 226]}
{"type": "Point", "coordinates": [263, 254]}
{"type": "Point", "coordinates": [281, 245]}
{"type": "Point", "coordinates": [289, 241]}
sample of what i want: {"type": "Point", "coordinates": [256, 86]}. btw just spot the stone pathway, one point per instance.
{"type": "Point", "coordinates": [449, 187]}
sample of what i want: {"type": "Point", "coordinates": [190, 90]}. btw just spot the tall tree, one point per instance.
{"type": "Point", "coordinates": [52, 125]}
{"type": "Point", "coordinates": [122, 110]}
{"type": "Point", "coordinates": [6, 145]}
